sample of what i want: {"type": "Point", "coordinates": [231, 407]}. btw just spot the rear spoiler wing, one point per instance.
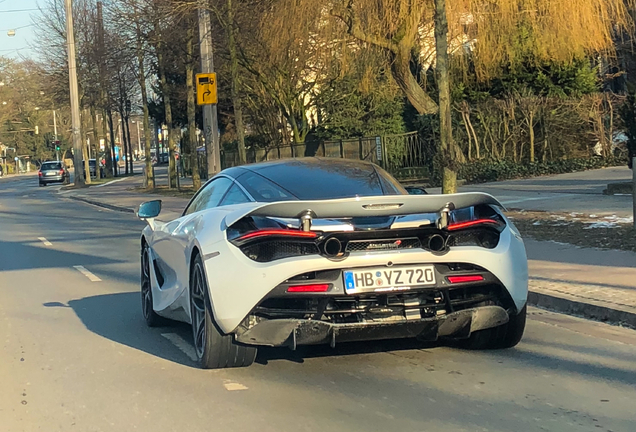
{"type": "Point", "coordinates": [385, 205]}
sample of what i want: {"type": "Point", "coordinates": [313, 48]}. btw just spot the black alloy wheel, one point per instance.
{"type": "Point", "coordinates": [151, 317]}
{"type": "Point", "coordinates": [214, 349]}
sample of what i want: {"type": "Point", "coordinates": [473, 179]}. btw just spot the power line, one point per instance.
{"type": "Point", "coordinates": [19, 10]}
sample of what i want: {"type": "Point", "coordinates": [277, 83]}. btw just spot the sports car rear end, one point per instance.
{"type": "Point", "coordinates": [367, 278]}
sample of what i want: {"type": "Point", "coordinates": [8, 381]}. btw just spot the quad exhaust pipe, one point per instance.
{"type": "Point", "coordinates": [333, 248]}
{"type": "Point", "coordinates": [437, 243]}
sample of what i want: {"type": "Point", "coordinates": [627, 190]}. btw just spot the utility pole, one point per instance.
{"type": "Point", "coordinates": [57, 153]}
{"type": "Point", "coordinates": [75, 112]}
{"type": "Point", "coordinates": [210, 119]}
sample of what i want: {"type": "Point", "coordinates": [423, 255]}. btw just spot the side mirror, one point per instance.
{"type": "Point", "coordinates": [149, 209]}
{"type": "Point", "coordinates": [414, 190]}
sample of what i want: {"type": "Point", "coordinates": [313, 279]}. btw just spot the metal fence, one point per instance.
{"type": "Point", "coordinates": [404, 156]}
{"type": "Point", "coordinates": [358, 149]}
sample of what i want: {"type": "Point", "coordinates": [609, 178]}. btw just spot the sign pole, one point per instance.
{"type": "Point", "coordinates": [210, 120]}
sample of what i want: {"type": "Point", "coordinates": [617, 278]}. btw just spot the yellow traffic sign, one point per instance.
{"type": "Point", "coordinates": [206, 89]}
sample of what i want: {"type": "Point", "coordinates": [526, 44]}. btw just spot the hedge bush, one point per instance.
{"type": "Point", "coordinates": [484, 171]}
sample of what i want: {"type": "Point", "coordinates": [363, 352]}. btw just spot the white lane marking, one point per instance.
{"type": "Point", "coordinates": [111, 182]}
{"type": "Point", "coordinates": [88, 274]}
{"type": "Point", "coordinates": [45, 241]}
{"type": "Point", "coordinates": [182, 345]}
{"type": "Point", "coordinates": [233, 386]}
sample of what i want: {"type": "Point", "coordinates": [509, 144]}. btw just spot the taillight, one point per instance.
{"type": "Point", "coordinates": [61, 172]}
{"type": "Point", "coordinates": [269, 244]}
{"type": "Point", "coordinates": [473, 223]}
{"type": "Point", "coordinates": [40, 173]}
{"type": "Point", "coordinates": [277, 233]}
{"type": "Point", "coordinates": [310, 288]}
{"type": "Point", "coordinates": [465, 279]}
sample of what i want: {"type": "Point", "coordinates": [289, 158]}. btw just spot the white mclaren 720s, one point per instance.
{"type": "Point", "coordinates": [325, 251]}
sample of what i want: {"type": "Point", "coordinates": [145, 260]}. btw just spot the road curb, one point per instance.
{"type": "Point", "coordinates": [101, 204]}
{"type": "Point", "coordinates": [586, 310]}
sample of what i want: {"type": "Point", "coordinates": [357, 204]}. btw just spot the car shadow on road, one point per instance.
{"type": "Point", "coordinates": [16, 256]}
{"type": "Point", "coordinates": [117, 317]}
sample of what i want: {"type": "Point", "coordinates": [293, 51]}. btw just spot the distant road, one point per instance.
{"type": "Point", "coordinates": [574, 192]}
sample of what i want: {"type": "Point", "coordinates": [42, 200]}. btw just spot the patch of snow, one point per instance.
{"type": "Point", "coordinates": [537, 223]}
{"type": "Point", "coordinates": [593, 216]}
{"type": "Point", "coordinates": [620, 220]}
{"type": "Point", "coordinates": [602, 224]}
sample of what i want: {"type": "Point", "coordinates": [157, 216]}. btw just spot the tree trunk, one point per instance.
{"type": "Point", "coordinates": [401, 71]}
{"type": "Point", "coordinates": [172, 172]}
{"type": "Point", "coordinates": [192, 127]}
{"type": "Point", "coordinates": [113, 156]}
{"type": "Point", "coordinates": [129, 157]}
{"type": "Point", "coordinates": [85, 151]}
{"type": "Point", "coordinates": [149, 172]}
{"type": "Point", "coordinates": [124, 142]}
{"type": "Point", "coordinates": [448, 149]}
{"type": "Point", "coordinates": [531, 132]}
{"type": "Point", "coordinates": [234, 73]}
{"type": "Point", "coordinates": [96, 138]}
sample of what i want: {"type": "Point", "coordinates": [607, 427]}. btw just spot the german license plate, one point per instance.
{"type": "Point", "coordinates": [50, 173]}
{"type": "Point", "coordinates": [385, 279]}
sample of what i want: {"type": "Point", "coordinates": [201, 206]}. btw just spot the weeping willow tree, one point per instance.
{"type": "Point", "coordinates": [488, 34]}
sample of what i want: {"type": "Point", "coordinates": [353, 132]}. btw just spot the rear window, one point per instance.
{"type": "Point", "coordinates": [331, 181]}
{"type": "Point", "coordinates": [51, 166]}
{"type": "Point", "coordinates": [263, 190]}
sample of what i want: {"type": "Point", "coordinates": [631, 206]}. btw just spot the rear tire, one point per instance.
{"type": "Point", "coordinates": [214, 349]}
{"type": "Point", "coordinates": [147, 310]}
{"type": "Point", "coordinates": [502, 337]}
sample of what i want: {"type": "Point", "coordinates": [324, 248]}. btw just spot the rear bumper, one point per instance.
{"type": "Point", "coordinates": [293, 332]}
{"type": "Point", "coordinates": [52, 179]}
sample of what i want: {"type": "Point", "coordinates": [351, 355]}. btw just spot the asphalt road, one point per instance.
{"type": "Point", "coordinates": [573, 192]}
{"type": "Point", "coordinates": [76, 355]}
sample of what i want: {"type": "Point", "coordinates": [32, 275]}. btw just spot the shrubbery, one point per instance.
{"type": "Point", "coordinates": [488, 170]}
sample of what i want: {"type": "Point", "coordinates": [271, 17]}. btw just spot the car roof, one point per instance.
{"type": "Point", "coordinates": [321, 163]}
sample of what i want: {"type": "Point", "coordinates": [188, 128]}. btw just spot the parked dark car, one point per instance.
{"type": "Point", "coordinates": [53, 172]}
{"type": "Point", "coordinates": [92, 165]}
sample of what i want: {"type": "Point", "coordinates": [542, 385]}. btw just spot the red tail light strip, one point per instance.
{"type": "Point", "coordinates": [464, 279]}
{"type": "Point", "coordinates": [278, 232]}
{"type": "Point", "coordinates": [469, 224]}
{"type": "Point", "coordinates": [308, 288]}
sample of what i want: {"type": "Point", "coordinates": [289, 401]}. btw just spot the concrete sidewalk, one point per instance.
{"type": "Point", "coordinates": [593, 283]}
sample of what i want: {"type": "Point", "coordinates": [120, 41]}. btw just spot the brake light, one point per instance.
{"type": "Point", "coordinates": [464, 279]}
{"type": "Point", "coordinates": [61, 172]}
{"type": "Point", "coordinates": [40, 173]}
{"type": "Point", "coordinates": [470, 224]}
{"type": "Point", "coordinates": [308, 288]}
{"type": "Point", "coordinates": [278, 233]}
